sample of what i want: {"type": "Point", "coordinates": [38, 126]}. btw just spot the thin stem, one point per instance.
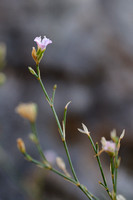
{"type": "Point", "coordinates": [98, 160]}
{"type": "Point", "coordinates": [52, 107]}
{"type": "Point", "coordinates": [64, 176]}
{"type": "Point", "coordinates": [69, 159]}
{"type": "Point", "coordinates": [76, 182]}
{"type": "Point", "coordinates": [60, 130]}
{"type": "Point", "coordinates": [57, 120]}
{"type": "Point", "coordinates": [65, 113]}
{"type": "Point", "coordinates": [95, 148]}
{"type": "Point", "coordinates": [43, 88]}
{"type": "Point", "coordinates": [115, 182]}
{"type": "Point", "coordinates": [112, 173]}
{"type": "Point", "coordinates": [43, 165]}
{"type": "Point", "coordinates": [115, 174]}
{"type": "Point", "coordinates": [53, 95]}
{"type": "Point", "coordinates": [88, 194]}
{"type": "Point", "coordinates": [33, 128]}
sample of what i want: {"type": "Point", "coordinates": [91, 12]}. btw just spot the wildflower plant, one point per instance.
{"type": "Point", "coordinates": [29, 112]}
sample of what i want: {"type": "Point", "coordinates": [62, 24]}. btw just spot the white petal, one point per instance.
{"type": "Point", "coordinates": [120, 197]}
{"type": "Point", "coordinates": [103, 141]}
{"type": "Point", "coordinates": [122, 135]}
{"type": "Point", "coordinates": [85, 128]}
{"type": "Point", "coordinates": [81, 131]}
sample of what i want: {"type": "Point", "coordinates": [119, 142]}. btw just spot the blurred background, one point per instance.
{"type": "Point", "coordinates": [91, 61]}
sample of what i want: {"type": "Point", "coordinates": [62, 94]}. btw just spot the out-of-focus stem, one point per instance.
{"type": "Point", "coordinates": [34, 131]}
{"type": "Point", "coordinates": [43, 165]}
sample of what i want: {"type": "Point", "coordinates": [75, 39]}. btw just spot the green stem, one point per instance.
{"type": "Point", "coordinates": [53, 95]}
{"type": "Point", "coordinates": [112, 173]}
{"type": "Point", "coordinates": [43, 88]}
{"type": "Point", "coordinates": [34, 131]}
{"type": "Point", "coordinates": [100, 165]}
{"type": "Point", "coordinates": [76, 182]}
{"type": "Point", "coordinates": [63, 176]}
{"type": "Point", "coordinates": [43, 165]}
{"type": "Point", "coordinates": [60, 130]}
{"type": "Point", "coordinates": [52, 107]}
{"type": "Point", "coordinates": [98, 160]}
{"type": "Point", "coordinates": [115, 183]}
{"type": "Point", "coordinates": [57, 121]}
{"type": "Point", "coordinates": [115, 174]}
{"type": "Point", "coordinates": [88, 194]}
{"type": "Point", "coordinates": [70, 162]}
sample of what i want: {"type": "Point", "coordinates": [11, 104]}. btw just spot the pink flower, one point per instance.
{"type": "Point", "coordinates": [108, 146]}
{"type": "Point", "coordinates": [42, 43]}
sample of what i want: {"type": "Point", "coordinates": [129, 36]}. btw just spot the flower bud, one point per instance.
{"type": "Point", "coordinates": [27, 111]}
{"type": "Point", "coordinates": [32, 71]}
{"type": "Point", "coordinates": [21, 145]}
{"type": "Point", "coordinates": [55, 87]}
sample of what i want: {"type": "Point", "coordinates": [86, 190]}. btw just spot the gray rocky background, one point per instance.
{"type": "Point", "coordinates": [91, 61]}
